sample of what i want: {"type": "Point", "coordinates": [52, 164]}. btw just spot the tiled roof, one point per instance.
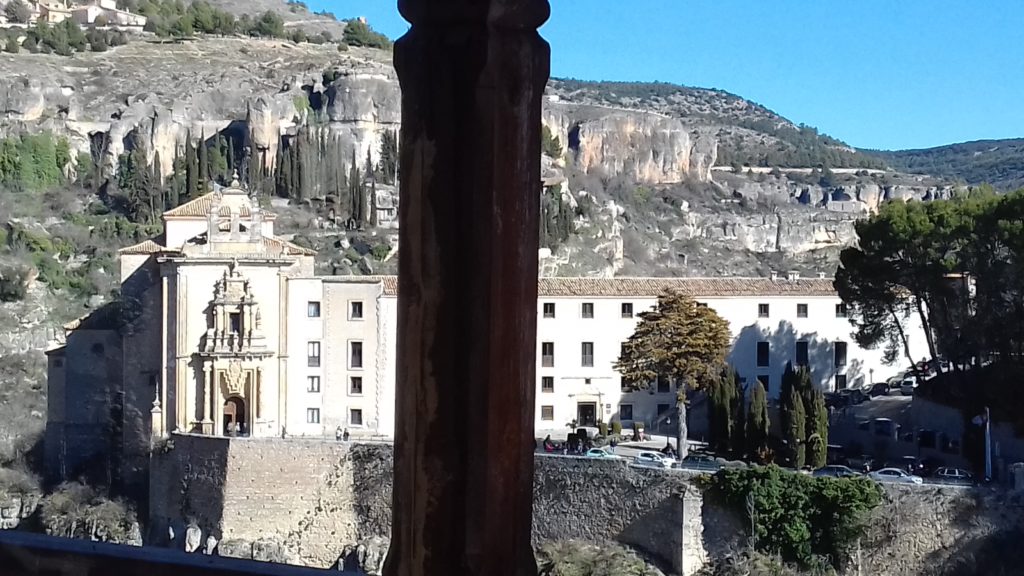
{"type": "Point", "coordinates": [651, 287]}
{"type": "Point", "coordinates": [200, 207]}
{"type": "Point", "coordinates": [151, 246]}
{"type": "Point", "coordinates": [695, 287]}
{"type": "Point", "coordinates": [106, 317]}
{"type": "Point", "coordinates": [288, 248]}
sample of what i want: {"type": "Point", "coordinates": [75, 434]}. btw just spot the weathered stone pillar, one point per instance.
{"type": "Point", "coordinates": [472, 75]}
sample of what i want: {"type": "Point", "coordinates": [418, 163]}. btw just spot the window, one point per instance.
{"type": "Point", "coordinates": [312, 415]}
{"type": "Point", "coordinates": [627, 310]}
{"type": "Point", "coordinates": [236, 322]}
{"type": "Point", "coordinates": [313, 309]}
{"type": "Point", "coordinates": [355, 417]}
{"type": "Point", "coordinates": [313, 354]}
{"type": "Point", "coordinates": [664, 386]}
{"type": "Point", "coordinates": [841, 310]}
{"type": "Point", "coordinates": [355, 310]}
{"type": "Point", "coordinates": [840, 381]}
{"type": "Point", "coordinates": [549, 309]}
{"type": "Point", "coordinates": [702, 304]}
{"type": "Point", "coordinates": [801, 354]}
{"type": "Point", "coordinates": [762, 310]}
{"type": "Point", "coordinates": [763, 349]}
{"type": "Point", "coordinates": [312, 383]}
{"type": "Point", "coordinates": [588, 310]}
{"type": "Point", "coordinates": [663, 408]}
{"type": "Point", "coordinates": [355, 354]}
{"type": "Point", "coordinates": [840, 354]}
{"type": "Point", "coordinates": [355, 385]}
{"type": "Point", "coordinates": [625, 411]}
{"type": "Point", "coordinates": [801, 310]}
{"type": "Point", "coordinates": [587, 361]}
{"type": "Point", "coordinates": [547, 384]}
{"type": "Point", "coordinates": [547, 413]}
{"type": "Point", "coordinates": [765, 381]}
{"type": "Point", "coordinates": [547, 354]}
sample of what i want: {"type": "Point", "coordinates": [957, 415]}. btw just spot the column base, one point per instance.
{"type": "Point", "coordinates": [207, 427]}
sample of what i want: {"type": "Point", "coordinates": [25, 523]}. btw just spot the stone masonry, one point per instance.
{"type": "Point", "coordinates": [305, 501]}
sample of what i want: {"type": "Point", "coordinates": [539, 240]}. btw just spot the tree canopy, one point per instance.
{"type": "Point", "coordinates": [680, 341]}
{"type": "Point", "coordinates": [923, 260]}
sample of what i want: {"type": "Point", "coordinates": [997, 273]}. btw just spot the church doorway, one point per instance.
{"type": "Point", "coordinates": [234, 417]}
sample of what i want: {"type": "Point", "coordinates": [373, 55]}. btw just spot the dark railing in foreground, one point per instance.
{"type": "Point", "coordinates": [25, 554]}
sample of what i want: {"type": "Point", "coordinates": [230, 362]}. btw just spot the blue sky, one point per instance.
{"type": "Point", "coordinates": [875, 73]}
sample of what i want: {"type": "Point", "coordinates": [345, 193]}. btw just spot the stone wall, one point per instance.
{"type": "Point", "coordinates": [312, 501]}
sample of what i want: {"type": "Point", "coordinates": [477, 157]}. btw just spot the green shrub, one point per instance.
{"type": "Point", "coordinates": [616, 428]}
{"type": "Point", "coordinates": [602, 429]}
{"type": "Point", "coordinates": [359, 34]}
{"type": "Point", "coordinates": [12, 284]}
{"type": "Point", "coordinates": [800, 517]}
{"type": "Point", "coordinates": [549, 143]}
{"type": "Point", "coordinates": [380, 252]}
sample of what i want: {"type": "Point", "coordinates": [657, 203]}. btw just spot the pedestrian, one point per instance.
{"type": "Point", "coordinates": [344, 435]}
{"type": "Point", "coordinates": [337, 434]}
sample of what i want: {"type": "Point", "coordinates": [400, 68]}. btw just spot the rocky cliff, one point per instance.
{"type": "Point", "coordinates": [639, 172]}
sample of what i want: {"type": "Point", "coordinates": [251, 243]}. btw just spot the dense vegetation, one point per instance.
{"type": "Point", "coordinates": [804, 419]}
{"type": "Point", "coordinates": [956, 268]}
{"type": "Point", "coordinates": [996, 162]}
{"type": "Point", "coordinates": [807, 520]}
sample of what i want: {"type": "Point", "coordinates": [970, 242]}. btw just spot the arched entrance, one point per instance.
{"type": "Point", "coordinates": [234, 413]}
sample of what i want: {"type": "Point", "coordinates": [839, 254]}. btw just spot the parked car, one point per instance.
{"type": "Point", "coordinates": [854, 396]}
{"type": "Point", "coordinates": [880, 389]}
{"type": "Point", "coordinates": [653, 460]}
{"type": "Point", "coordinates": [895, 475]}
{"type": "Point", "coordinates": [699, 462]}
{"type": "Point", "coordinates": [864, 462]}
{"type": "Point", "coordinates": [602, 454]}
{"type": "Point", "coordinates": [835, 471]}
{"type": "Point", "coordinates": [954, 476]}
{"type": "Point", "coordinates": [908, 386]}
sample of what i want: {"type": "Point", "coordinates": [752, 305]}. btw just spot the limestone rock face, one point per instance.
{"type": "Point", "coordinates": [650, 147]}
{"type": "Point", "coordinates": [16, 507]}
{"type": "Point", "coordinates": [367, 557]}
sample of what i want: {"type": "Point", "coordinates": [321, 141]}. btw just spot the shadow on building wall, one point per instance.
{"type": "Point", "coordinates": [782, 345]}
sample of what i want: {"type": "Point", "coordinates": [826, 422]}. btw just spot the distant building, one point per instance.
{"type": "Point", "coordinates": [53, 12]}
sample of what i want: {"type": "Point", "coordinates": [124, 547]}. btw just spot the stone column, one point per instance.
{"type": "Point", "coordinates": [206, 398]}
{"type": "Point", "coordinates": [472, 77]}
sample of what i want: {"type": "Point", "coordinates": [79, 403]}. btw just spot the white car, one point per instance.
{"type": "Point", "coordinates": [895, 475]}
{"type": "Point", "coordinates": [908, 386]}
{"type": "Point", "coordinates": [653, 460]}
{"type": "Point", "coordinates": [601, 454]}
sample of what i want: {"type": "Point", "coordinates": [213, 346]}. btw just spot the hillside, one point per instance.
{"type": "Point", "coordinates": [748, 134]}
{"type": "Point", "coordinates": [996, 162]}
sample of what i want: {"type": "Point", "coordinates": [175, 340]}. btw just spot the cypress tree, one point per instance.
{"type": "Point", "coordinates": [817, 431]}
{"type": "Point", "coordinates": [191, 168]}
{"type": "Point", "coordinates": [203, 161]}
{"type": "Point", "coordinates": [373, 189]}
{"type": "Point", "coordinates": [795, 431]}
{"type": "Point", "coordinates": [757, 423]}
{"type": "Point", "coordinates": [739, 418]}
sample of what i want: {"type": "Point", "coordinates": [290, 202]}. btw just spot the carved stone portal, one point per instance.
{"type": "Point", "coordinates": [234, 379]}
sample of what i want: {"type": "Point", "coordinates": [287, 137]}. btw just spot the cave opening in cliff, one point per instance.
{"type": "Point", "coordinates": [574, 139]}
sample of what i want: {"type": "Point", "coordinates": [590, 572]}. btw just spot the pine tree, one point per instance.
{"type": "Point", "coordinates": [757, 423]}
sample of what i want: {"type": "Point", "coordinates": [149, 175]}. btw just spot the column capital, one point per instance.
{"type": "Point", "coordinates": [508, 14]}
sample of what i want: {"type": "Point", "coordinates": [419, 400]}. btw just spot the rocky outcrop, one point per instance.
{"type": "Point", "coordinates": [649, 147]}
{"type": "Point", "coordinates": [16, 507]}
